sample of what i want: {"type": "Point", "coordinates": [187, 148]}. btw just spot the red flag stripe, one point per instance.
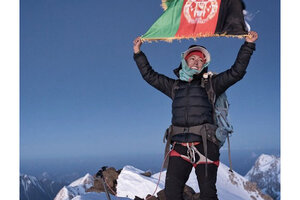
{"type": "Point", "coordinates": [198, 18]}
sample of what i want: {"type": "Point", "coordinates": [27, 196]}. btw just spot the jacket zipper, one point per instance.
{"type": "Point", "coordinates": [187, 105]}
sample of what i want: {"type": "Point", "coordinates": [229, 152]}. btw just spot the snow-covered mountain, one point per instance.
{"type": "Point", "coordinates": [32, 188]}
{"type": "Point", "coordinates": [76, 188]}
{"type": "Point", "coordinates": [266, 173]}
{"type": "Point", "coordinates": [131, 183]}
{"type": "Point", "coordinates": [77, 191]}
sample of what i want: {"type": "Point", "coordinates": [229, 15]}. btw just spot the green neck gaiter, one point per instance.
{"type": "Point", "coordinates": [186, 73]}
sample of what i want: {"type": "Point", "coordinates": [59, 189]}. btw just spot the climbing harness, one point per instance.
{"type": "Point", "coordinates": [191, 153]}
{"type": "Point", "coordinates": [206, 131]}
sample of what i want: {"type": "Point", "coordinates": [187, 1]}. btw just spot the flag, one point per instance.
{"type": "Point", "coordinates": [198, 18]}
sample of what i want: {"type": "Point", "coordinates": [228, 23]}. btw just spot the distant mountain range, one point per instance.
{"type": "Point", "coordinates": [32, 188]}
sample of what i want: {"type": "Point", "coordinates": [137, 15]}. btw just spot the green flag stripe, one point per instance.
{"type": "Point", "coordinates": [168, 24]}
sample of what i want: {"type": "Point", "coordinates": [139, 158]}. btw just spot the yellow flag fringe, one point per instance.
{"type": "Point", "coordinates": [170, 39]}
{"type": "Point", "coordinates": [164, 5]}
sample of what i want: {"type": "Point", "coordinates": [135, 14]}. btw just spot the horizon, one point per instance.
{"type": "Point", "coordinates": [69, 168]}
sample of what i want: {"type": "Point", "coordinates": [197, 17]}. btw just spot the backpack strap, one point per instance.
{"type": "Point", "coordinates": [207, 84]}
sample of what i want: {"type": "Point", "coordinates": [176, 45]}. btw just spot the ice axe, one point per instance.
{"type": "Point", "coordinates": [100, 174]}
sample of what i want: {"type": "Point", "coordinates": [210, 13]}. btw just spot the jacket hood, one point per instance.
{"type": "Point", "coordinates": [190, 49]}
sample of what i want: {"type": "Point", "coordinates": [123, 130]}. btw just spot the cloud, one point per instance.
{"type": "Point", "coordinates": [249, 16]}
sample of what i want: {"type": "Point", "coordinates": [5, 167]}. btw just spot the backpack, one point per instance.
{"type": "Point", "coordinates": [221, 108]}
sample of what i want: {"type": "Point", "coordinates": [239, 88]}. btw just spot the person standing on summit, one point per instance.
{"type": "Point", "coordinates": [193, 130]}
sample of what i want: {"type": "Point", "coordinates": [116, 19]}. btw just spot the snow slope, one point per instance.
{"type": "Point", "coordinates": [231, 187]}
{"type": "Point", "coordinates": [131, 183]}
{"type": "Point", "coordinates": [76, 188]}
{"type": "Point", "coordinates": [97, 196]}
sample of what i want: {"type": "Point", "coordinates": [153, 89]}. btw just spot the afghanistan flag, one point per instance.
{"type": "Point", "coordinates": [198, 18]}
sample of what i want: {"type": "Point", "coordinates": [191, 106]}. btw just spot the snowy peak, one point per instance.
{"type": "Point", "coordinates": [266, 174]}
{"type": "Point", "coordinates": [266, 162]}
{"type": "Point", "coordinates": [86, 180]}
{"type": "Point", "coordinates": [265, 159]}
{"type": "Point", "coordinates": [76, 188]}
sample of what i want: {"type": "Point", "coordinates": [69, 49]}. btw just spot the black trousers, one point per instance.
{"type": "Point", "coordinates": [179, 170]}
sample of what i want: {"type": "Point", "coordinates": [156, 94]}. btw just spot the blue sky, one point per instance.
{"type": "Point", "coordinates": [81, 92]}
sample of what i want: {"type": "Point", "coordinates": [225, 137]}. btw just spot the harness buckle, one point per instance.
{"type": "Point", "coordinates": [186, 130]}
{"type": "Point", "coordinates": [191, 153]}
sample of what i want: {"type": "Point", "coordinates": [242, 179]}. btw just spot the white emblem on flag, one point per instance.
{"type": "Point", "coordinates": [200, 11]}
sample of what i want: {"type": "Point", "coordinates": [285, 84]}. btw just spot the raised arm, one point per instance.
{"type": "Point", "coordinates": [224, 80]}
{"type": "Point", "coordinates": [158, 81]}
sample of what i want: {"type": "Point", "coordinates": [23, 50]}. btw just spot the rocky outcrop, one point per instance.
{"type": "Point", "coordinates": [110, 175]}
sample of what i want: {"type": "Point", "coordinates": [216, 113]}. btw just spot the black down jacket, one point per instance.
{"type": "Point", "coordinates": [191, 106]}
